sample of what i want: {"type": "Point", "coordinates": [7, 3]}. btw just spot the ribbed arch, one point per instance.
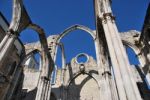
{"type": "Point", "coordinates": [78, 74]}
{"type": "Point", "coordinates": [76, 27]}
{"type": "Point", "coordinates": [136, 50]}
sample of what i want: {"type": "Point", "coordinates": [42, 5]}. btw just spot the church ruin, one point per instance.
{"type": "Point", "coordinates": [109, 77]}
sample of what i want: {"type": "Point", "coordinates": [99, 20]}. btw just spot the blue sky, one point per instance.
{"type": "Point", "coordinates": [56, 15]}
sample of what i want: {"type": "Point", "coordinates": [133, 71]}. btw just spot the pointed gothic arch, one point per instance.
{"type": "Point", "coordinates": [76, 27]}
{"type": "Point", "coordinates": [136, 50]}
{"type": "Point", "coordinates": [85, 84]}
{"type": "Point", "coordinates": [89, 31]}
{"type": "Point", "coordinates": [78, 74]}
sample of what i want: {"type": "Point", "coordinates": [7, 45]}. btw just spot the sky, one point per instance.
{"type": "Point", "coordinates": [54, 16]}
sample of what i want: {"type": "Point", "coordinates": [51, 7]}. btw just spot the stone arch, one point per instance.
{"type": "Point", "coordinates": [80, 88]}
{"type": "Point", "coordinates": [96, 42]}
{"type": "Point", "coordinates": [89, 31]}
{"type": "Point", "coordinates": [136, 50]}
{"type": "Point", "coordinates": [73, 28]}
{"type": "Point", "coordinates": [30, 53]}
{"type": "Point", "coordinates": [78, 74]}
{"type": "Point", "coordinates": [76, 27]}
{"type": "Point", "coordinates": [141, 57]}
{"type": "Point", "coordinates": [86, 29]}
{"type": "Point", "coordinates": [44, 52]}
{"type": "Point", "coordinates": [143, 74]}
{"type": "Point", "coordinates": [21, 21]}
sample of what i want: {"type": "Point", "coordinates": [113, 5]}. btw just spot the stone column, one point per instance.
{"type": "Point", "coordinates": [3, 42]}
{"type": "Point", "coordinates": [20, 21]}
{"type": "Point", "coordinates": [44, 85]}
{"type": "Point", "coordinates": [126, 86]}
{"type": "Point", "coordinates": [105, 92]}
{"type": "Point", "coordinates": [6, 45]}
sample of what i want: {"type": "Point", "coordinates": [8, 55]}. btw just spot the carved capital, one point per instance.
{"type": "Point", "coordinates": [106, 17]}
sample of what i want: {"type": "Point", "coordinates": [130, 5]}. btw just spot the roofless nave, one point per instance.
{"type": "Point", "coordinates": [109, 77]}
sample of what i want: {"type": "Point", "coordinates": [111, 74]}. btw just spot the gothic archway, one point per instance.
{"type": "Point", "coordinates": [89, 31]}
{"type": "Point", "coordinates": [76, 27]}
{"type": "Point", "coordinates": [136, 50]}
{"type": "Point", "coordinates": [140, 67]}
{"type": "Point", "coordinates": [81, 83]}
{"type": "Point", "coordinates": [73, 28]}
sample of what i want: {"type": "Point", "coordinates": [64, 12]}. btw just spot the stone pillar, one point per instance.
{"type": "Point", "coordinates": [20, 21]}
{"type": "Point", "coordinates": [44, 89]}
{"type": "Point", "coordinates": [103, 67]}
{"type": "Point", "coordinates": [44, 85]}
{"type": "Point", "coordinates": [126, 86]}
{"type": "Point", "coordinates": [3, 42]}
{"type": "Point", "coordinates": [6, 45]}
{"type": "Point", "coordinates": [105, 92]}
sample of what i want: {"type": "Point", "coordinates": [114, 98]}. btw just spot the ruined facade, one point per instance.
{"type": "Point", "coordinates": [108, 77]}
